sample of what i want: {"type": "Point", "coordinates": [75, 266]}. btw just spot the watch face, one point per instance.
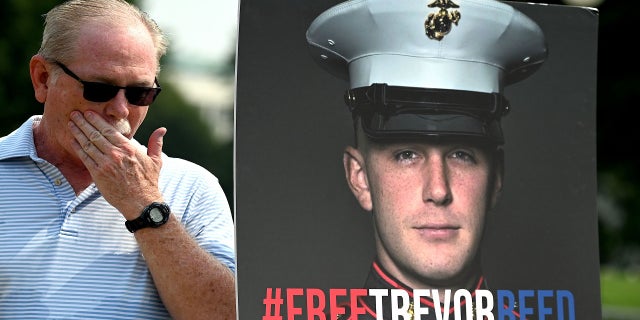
{"type": "Point", "coordinates": [155, 215]}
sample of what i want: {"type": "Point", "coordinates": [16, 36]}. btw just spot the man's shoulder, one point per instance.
{"type": "Point", "coordinates": [183, 167]}
{"type": "Point", "coordinates": [183, 177]}
{"type": "Point", "coordinates": [173, 167]}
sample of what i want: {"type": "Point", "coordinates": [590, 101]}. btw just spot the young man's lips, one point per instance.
{"type": "Point", "coordinates": [438, 232]}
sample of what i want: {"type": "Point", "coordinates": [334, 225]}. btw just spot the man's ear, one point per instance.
{"type": "Point", "coordinates": [356, 174]}
{"type": "Point", "coordinates": [498, 178]}
{"type": "Point", "coordinates": [38, 69]}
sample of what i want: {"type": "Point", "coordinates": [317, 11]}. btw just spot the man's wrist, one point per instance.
{"type": "Point", "coordinates": [154, 215]}
{"type": "Point", "coordinates": [133, 208]}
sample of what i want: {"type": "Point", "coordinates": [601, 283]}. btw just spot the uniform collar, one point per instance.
{"type": "Point", "coordinates": [379, 278]}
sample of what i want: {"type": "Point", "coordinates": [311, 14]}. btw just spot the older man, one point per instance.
{"type": "Point", "coordinates": [94, 224]}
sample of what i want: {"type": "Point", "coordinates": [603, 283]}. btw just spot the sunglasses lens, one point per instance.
{"type": "Point", "coordinates": [141, 96]}
{"type": "Point", "coordinates": [99, 92]}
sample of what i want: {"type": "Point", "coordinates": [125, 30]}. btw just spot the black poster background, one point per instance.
{"type": "Point", "coordinates": [297, 224]}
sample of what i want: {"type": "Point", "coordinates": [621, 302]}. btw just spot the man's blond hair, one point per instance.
{"type": "Point", "coordinates": [64, 23]}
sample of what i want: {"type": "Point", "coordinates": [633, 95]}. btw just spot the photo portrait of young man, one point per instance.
{"type": "Point", "coordinates": [452, 128]}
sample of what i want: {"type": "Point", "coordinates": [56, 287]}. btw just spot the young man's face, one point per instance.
{"type": "Point", "coordinates": [429, 203]}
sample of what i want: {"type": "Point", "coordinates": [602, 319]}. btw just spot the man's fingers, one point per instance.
{"type": "Point", "coordinates": [86, 134]}
{"type": "Point", "coordinates": [87, 145]}
{"type": "Point", "coordinates": [97, 128]}
{"type": "Point", "coordinates": [154, 149]}
{"type": "Point", "coordinates": [84, 149]}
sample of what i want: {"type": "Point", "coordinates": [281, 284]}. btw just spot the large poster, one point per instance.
{"type": "Point", "coordinates": [303, 240]}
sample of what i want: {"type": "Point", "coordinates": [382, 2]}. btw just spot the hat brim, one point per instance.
{"type": "Point", "coordinates": [378, 126]}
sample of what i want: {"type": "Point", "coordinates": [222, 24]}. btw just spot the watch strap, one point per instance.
{"type": "Point", "coordinates": [134, 225]}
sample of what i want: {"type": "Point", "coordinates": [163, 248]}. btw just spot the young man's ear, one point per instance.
{"type": "Point", "coordinates": [356, 174]}
{"type": "Point", "coordinates": [498, 177]}
{"type": "Point", "coordinates": [39, 71]}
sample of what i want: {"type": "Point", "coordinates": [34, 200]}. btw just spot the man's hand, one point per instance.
{"type": "Point", "coordinates": [191, 282]}
{"type": "Point", "coordinates": [127, 178]}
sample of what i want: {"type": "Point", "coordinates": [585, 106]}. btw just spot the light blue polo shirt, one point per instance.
{"type": "Point", "coordinates": [64, 256]}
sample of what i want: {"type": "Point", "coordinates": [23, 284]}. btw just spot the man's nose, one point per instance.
{"type": "Point", "coordinates": [436, 177]}
{"type": "Point", "coordinates": [118, 107]}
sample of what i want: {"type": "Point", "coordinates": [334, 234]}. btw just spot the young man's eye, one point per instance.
{"type": "Point", "coordinates": [464, 156]}
{"type": "Point", "coordinates": [405, 155]}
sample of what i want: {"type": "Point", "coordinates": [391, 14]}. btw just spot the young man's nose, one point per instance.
{"type": "Point", "coordinates": [436, 183]}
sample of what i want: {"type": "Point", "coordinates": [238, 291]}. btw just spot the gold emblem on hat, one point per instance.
{"type": "Point", "coordinates": [438, 24]}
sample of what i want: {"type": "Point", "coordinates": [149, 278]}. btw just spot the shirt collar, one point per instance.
{"type": "Point", "coordinates": [20, 142]}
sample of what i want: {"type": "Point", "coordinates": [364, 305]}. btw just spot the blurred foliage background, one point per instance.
{"type": "Point", "coordinates": [189, 134]}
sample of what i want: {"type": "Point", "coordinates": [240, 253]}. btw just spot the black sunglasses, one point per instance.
{"type": "Point", "coordinates": [102, 92]}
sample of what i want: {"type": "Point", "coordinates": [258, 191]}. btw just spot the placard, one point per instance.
{"type": "Point", "coordinates": [303, 241]}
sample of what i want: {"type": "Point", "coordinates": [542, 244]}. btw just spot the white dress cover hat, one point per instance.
{"type": "Point", "coordinates": [419, 68]}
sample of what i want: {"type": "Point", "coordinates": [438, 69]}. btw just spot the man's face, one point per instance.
{"type": "Point", "coordinates": [429, 203]}
{"type": "Point", "coordinates": [116, 55]}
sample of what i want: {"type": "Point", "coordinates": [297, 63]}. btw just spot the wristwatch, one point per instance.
{"type": "Point", "coordinates": [153, 216]}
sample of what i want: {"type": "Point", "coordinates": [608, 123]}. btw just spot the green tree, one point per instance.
{"type": "Point", "coordinates": [20, 34]}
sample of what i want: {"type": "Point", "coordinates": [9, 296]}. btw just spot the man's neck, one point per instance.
{"type": "Point", "coordinates": [69, 165]}
{"type": "Point", "coordinates": [467, 279]}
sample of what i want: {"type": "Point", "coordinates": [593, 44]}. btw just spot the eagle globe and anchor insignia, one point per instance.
{"type": "Point", "coordinates": [438, 24]}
